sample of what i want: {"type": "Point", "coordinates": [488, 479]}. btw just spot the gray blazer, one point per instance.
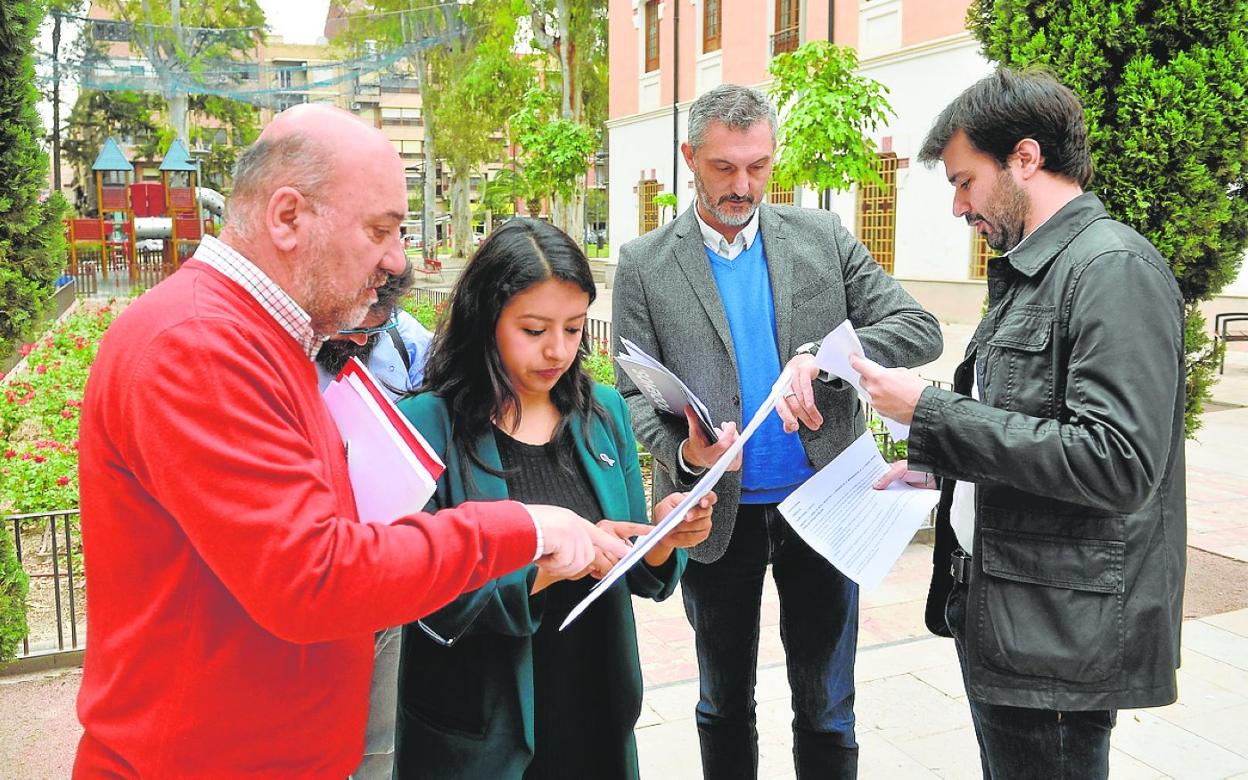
{"type": "Point", "coordinates": [666, 301]}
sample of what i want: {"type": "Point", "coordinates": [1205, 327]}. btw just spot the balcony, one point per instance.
{"type": "Point", "coordinates": [367, 93]}
{"type": "Point", "coordinates": [785, 40]}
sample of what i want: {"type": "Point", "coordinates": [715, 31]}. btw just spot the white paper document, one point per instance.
{"type": "Point", "coordinates": [676, 516]}
{"type": "Point", "coordinates": [860, 530]}
{"type": "Point", "coordinates": [393, 469]}
{"type": "Point", "coordinates": [833, 357]}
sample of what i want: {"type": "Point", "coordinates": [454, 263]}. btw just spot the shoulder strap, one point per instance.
{"type": "Point", "coordinates": [401, 348]}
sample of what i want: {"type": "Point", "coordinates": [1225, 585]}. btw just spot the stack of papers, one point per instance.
{"type": "Point", "coordinates": [662, 388]}
{"type": "Point", "coordinates": [393, 469]}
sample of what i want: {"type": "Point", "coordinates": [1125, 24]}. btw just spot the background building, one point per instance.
{"type": "Point", "coordinates": [665, 53]}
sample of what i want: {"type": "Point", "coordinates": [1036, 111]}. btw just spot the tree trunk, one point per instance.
{"type": "Point", "coordinates": [461, 215]}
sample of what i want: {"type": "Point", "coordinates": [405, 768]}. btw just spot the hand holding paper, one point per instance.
{"type": "Point", "coordinates": [894, 392]}
{"type": "Point", "coordinates": [691, 499]}
{"type": "Point", "coordinates": [842, 516]}
{"type": "Point", "coordinates": [836, 356]}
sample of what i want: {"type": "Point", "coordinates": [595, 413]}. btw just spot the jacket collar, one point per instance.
{"type": "Point", "coordinates": [1051, 239]}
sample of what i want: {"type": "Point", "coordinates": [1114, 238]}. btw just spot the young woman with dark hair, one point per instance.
{"type": "Point", "coordinates": [488, 686]}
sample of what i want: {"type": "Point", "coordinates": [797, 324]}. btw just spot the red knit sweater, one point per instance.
{"type": "Point", "coordinates": [233, 592]}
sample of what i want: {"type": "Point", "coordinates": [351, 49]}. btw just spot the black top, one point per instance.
{"type": "Point", "coordinates": [573, 735]}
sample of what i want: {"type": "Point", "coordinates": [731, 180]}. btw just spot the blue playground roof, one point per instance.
{"type": "Point", "coordinates": [177, 159]}
{"type": "Point", "coordinates": [111, 158]}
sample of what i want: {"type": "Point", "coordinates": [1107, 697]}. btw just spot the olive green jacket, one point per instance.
{"type": "Point", "coordinates": [466, 672]}
{"type": "Point", "coordinates": [1076, 589]}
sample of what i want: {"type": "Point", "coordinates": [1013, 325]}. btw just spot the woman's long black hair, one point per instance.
{"type": "Point", "coordinates": [464, 366]}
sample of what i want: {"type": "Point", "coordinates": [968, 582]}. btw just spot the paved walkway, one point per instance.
{"type": "Point", "coordinates": [912, 715]}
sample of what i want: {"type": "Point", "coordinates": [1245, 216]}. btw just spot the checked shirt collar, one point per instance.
{"type": "Point", "coordinates": [280, 306]}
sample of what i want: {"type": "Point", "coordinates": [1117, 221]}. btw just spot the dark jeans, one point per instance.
{"type": "Point", "coordinates": [819, 628]}
{"type": "Point", "coordinates": [1023, 743]}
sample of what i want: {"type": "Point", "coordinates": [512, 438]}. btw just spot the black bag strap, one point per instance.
{"type": "Point", "coordinates": [401, 348]}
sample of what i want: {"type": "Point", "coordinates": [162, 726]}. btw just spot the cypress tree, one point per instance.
{"type": "Point", "coordinates": [32, 244]}
{"type": "Point", "coordinates": [1164, 85]}
{"type": "Point", "coordinates": [32, 240]}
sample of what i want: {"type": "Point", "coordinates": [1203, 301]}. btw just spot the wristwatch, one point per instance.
{"type": "Point", "coordinates": [809, 348]}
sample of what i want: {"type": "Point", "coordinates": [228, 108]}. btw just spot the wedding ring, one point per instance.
{"type": "Point", "coordinates": [790, 394]}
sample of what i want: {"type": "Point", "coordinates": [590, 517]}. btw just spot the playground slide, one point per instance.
{"type": "Point", "coordinates": [210, 201]}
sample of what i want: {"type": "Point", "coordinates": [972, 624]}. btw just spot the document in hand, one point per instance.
{"type": "Point", "coordinates": [833, 357]}
{"type": "Point", "coordinates": [860, 530]}
{"type": "Point", "coordinates": [677, 515]}
{"type": "Point", "coordinates": [662, 388]}
{"type": "Point", "coordinates": [393, 469]}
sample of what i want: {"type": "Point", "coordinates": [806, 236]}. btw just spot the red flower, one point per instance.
{"type": "Point", "coordinates": [39, 458]}
{"type": "Point", "coordinates": [41, 369]}
{"type": "Point", "coordinates": [10, 454]}
{"type": "Point", "coordinates": [26, 349]}
{"type": "Point", "coordinates": [67, 413]}
{"type": "Point", "coordinates": [62, 481]}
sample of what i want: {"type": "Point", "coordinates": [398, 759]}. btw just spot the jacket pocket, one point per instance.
{"type": "Point", "coordinates": [1051, 606]}
{"type": "Point", "coordinates": [1020, 362]}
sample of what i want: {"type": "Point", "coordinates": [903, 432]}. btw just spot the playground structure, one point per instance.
{"type": "Point", "coordinates": [119, 240]}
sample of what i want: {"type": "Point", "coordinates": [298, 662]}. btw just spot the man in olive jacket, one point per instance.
{"type": "Point", "coordinates": [1060, 536]}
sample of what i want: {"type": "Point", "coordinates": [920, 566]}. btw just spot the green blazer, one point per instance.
{"type": "Point", "coordinates": [466, 674]}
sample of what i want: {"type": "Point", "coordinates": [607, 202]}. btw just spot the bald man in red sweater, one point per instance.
{"type": "Point", "coordinates": [234, 593]}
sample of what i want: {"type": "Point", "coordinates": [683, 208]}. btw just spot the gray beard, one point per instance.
{"type": "Point", "coordinates": [732, 220]}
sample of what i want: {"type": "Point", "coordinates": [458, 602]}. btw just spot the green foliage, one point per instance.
{"type": "Point", "coordinates": [557, 151]}
{"type": "Point", "coordinates": [97, 115]}
{"type": "Point", "coordinates": [498, 195]}
{"type": "Point", "coordinates": [39, 444]}
{"type": "Point", "coordinates": [665, 201]}
{"type": "Point", "coordinates": [39, 413]}
{"type": "Point", "coordinates": [13, 587]}
{"type": "Point", "coordinates": [1165, 93]}
{"type": "Point", "coordinates": [831, 110]}
{"type": "Point", "coordinates": [32, 243]}
{"type": "Point", "coordinates": [598, 363]}
{"type": "Point", "coordinates": [425, 312]}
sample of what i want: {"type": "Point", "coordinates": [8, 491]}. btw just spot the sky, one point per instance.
{"type": "Point", "coordinates": [297, 21]}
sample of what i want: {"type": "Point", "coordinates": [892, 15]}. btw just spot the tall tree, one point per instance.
{"type": "Point", "coordinates": [1165, 92]}
{"type": "Point", "coordinates": [32, 245]}
{"type": "Point", "coordinates": [479, 79]}
{"type": "Point", "coordinates": [574, 34]}
{"type": "Point", "coordinates": [181, 41]}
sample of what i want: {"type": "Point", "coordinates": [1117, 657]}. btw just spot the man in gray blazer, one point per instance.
{"type": "Point", "coordinates": [724, 296]}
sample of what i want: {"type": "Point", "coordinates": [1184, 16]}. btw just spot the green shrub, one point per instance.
{"type": "Point", "coordinates": [32, 241]}
{"type": "Point", "coordinates": [13, 587]}
{"type": "Point", "coordinates": [1165, 92]}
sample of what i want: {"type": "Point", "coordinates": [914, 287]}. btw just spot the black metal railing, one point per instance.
{"type": "Point", "coordinates": [785, 40]}
{"type": "Point", "coordinates": [53, 565]}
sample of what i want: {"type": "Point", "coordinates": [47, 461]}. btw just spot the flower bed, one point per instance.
{"type": "Point", "coordinates": [39, 411]}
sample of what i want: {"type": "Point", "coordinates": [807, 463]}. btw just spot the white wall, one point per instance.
{"type": "Point", "coordinates": [931, 244]}
{"type": "Point", "coordinates": [643, 143]}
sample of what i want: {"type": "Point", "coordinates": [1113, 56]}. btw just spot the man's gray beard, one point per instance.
{"type": "Point", "coordinates": [329, 315]}
{"type": "Point", "coordinates": [731, 220]}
